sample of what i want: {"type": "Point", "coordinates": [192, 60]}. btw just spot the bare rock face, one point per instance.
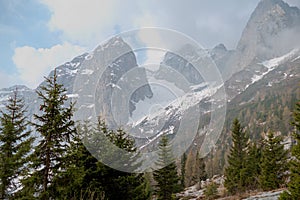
{"type": "Point", "coordinates": [27, 94]}
{"type": "Point", "coordinates": [101, 72]}
{"type": "Point", "coordinates": [266, 33]}
{"type": "Point", "coordinates": [112, 84]}
{"type": "Point", "coordinates": [105, 72]}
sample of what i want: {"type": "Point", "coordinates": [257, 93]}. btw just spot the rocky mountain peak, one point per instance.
{"type": "Point", "coordinates": [220, 47]}
{"type": "Point", "coordinates": [264, 36]}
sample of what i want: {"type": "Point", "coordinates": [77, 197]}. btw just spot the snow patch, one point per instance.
{"type": "Point", "coordinates": [279, 60]}
{"type": "Point", "coordinates": [272, 64]}
{"type": "Point", "coordinates": [72, 95]}
{"type": "Point", "coordinates": [71, 71]}
{"type": "Point", "coordinates": [87, 71]}
{"type": "Point", "coordinates": [88, 57]}
{"type": "Point", "coordinates": [113, 86]}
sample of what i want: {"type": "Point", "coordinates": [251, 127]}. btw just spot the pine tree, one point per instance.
{"type": "Point", "coordinates": [201, 172]}
{"type": "Point", "coordinates": [119, 184]}
{"type": "Point", "coordinates": [15, 145]}
{"type": "Point", "coordinates": [234, 182]}
{"type": "Point", "coordinates": [56, 127]}
{"type": "Point", "coordinates": [183, 165]}
{"type": "Point", "coordinates": [273, 162]}
{"type": "Point", "coordinates": [293, 192]}
{"type": "Point", "coordinates": [252, 170]}
{"type": "Point", "coordinates": [190, 169]}
{"type": "Point", "coordinates": [81, 178]}
{"type": "Point", "coordinates": [168, 181]}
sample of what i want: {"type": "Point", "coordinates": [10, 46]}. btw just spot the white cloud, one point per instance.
{"type": "Point", "coordinates": [90, 22]}
{"type": "Point", "coordinates": [84, 21]}
{"type": "Point", "coordinates": [33, 64]}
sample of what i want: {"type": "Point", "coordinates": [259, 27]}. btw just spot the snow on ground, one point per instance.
{"type": "Point", "coordinates": [161, 98]}
{"type": "Point", "coordinates": [87, 71]}
{"type": "Point", "coordinates": [4, 98]}
{"type": "Point", "coordinates": [72, 95]}
{"type": "Point", "coordinates": [279, 60]}
{"type": "Point", "coordinates": [71, 71]}
{"type": "Point", "coordinates": [113, 86]}
{"type": "Point", "coordinates": [181, 104]}
{"type": "Point", "coordinates": [273, 63]}
{"type": "Point", "coordinates": [89, 56]}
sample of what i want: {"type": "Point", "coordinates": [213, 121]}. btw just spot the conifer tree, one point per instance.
{"type": "Point", "coordinates": [252, 170]}
{"type": "Point", "coordinates": [234, 181]}
{"type": "Point", "coordinates": [168, 181]}
{"type": "Point", "coordinates": [128, 185]}
{"type": "Point", "coordinates": [81, 178]}
{"type": "Point", "coordinates": [56, 127]}
{"type": "Point", "coordinates": [273, 162]}
{"type": "Point", "coordinates": [293, 192]}
{"type": "Point", "coordinates": [15, 145]}
{"type": "Point", "coordinates": [201, 172]}
{"type": "Point", "coordinates": [119, 184]}
{"type": "Point", "coordinates": [183, 165]}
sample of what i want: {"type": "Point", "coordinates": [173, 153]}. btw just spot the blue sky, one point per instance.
{"type": "Point", "coordinates": [38, 35]}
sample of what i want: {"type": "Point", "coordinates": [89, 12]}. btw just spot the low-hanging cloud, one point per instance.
{"type": "Point", "coordinates": [209, 22]}
{"type": "Point", "coordinates": [32, 64]}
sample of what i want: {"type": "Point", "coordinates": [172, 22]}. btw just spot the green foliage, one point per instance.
{"type": "Point", "coordinates": [81, 178]}
{"type": "Point", "coordinates": [252, 168]}
{"type": "Point", "coordinates": [128, 185]}
{"type": "Point", "coordinates": [201, 173]}
{"type": "Point", "coordinates": [273, 162]}
{"type": "Point", "coordinates": [234, 181]}
{"type": "Point", "coordinates": [168, 181]}
{"type": "Point", "coordinates": [293, 192]}
{"type": "Point", "coordinates": [15, 145]}
{"type": "Point", "coordinates": [56, 128]}
{"type": "Point", "coordinates": [183, 164]}
{"type": "Point", "coordinates": [211, 191]}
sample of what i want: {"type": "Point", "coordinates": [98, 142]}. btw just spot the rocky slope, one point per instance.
{"type": "Point", "coordinates": [261, 80]}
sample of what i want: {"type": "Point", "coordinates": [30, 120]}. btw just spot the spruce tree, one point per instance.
{"type": "Point", "coordinates": [56, 127]}
{"type": "Point", "coordinates": [293, 192]}
{"type": "Point", "coordinates": [168, 181]}
{"type": "Point", "coordinates": [82, 175]}
{"type": "Point", "coordinates": [201, 172]}
{"type": "Point", "coordinates": [273, 162]}
{"type": "Point", "coordinates": [234, 181]}
{"type": "Point", "coordinates": [119, 184]}
{"type": "Point", "coordinates": [183, 165]}
{"type": "Point", "coordinates": [252, 170]}
{"type": "Point", "coordinates": [15, 145]}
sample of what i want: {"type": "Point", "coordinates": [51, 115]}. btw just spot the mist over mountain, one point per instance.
{"type": "Point", "coordinates": [265, 63]}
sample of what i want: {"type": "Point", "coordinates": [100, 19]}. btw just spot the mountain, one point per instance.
{"type": "Point", "coordinates": [265, 35]}
{"type": "Point", "coordinates": [261, 76]}
{"type": "Point", "coordinates": [261, 80]}
{"type": "Point", "coordinates": [105, 71]}
{"type": "Point", "coordinates": [83, 72]}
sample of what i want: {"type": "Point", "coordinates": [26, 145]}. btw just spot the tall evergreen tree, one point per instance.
{"type": "Point", "coordinates": [183, 165]}
{"type": "Point", "coordinates": [201, 174]}
{"type": "Point", "coordinates": [168, 181]}
{"type": "Point", "coordinates": [293, 192]}
{"type": "Point", "coordinates": [15, 145]}
{"type": "Point", "coordinates": [119, 184]}
{"type": "Point", "coordinates": [252, 170]}
{"type": "Point", "coordinates": [234, 181]}
{"type": "Point", "coordinates": [273, 162]}
{"type": "Point", "coordinates": [81, 178]}
{"type": "Point", "coordinates": [56, 127]}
